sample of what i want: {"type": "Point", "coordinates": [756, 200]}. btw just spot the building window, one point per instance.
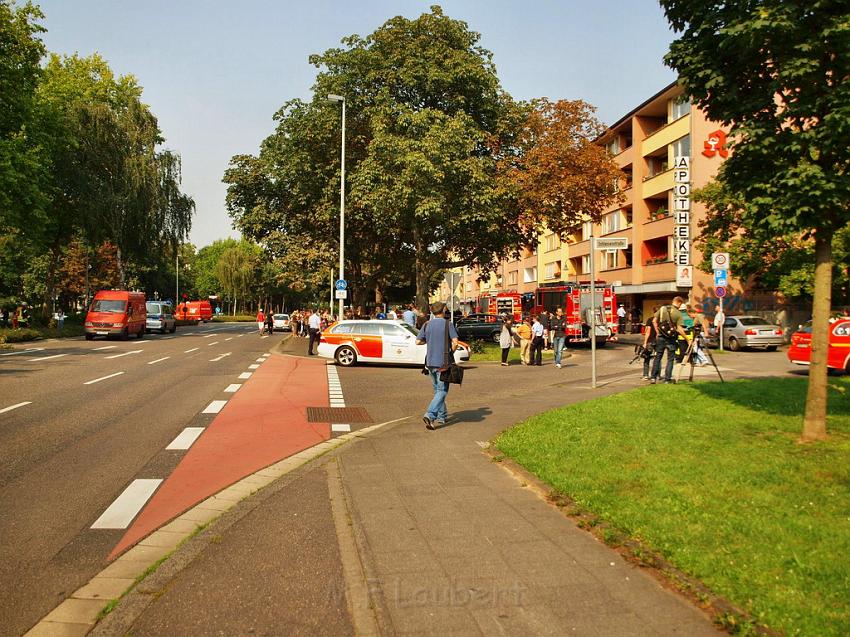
{"type": "Point", "coordinates": [498, 280]}
{"type": "Point", "coordinates": [553, 242]}
{"type": "Point", "coordinates": [613, 146]}
{"type": "Point", "coordinates": [611, 260]}
{"type": "Point", "coordinates": [586, 230]}
{"type": "Point", "coordinates": [585, 264]}
{"type": "Point", "coordinates": [682, 147]}
{"type": "Point", "coordinates": [611, 223]}
{"type": "Point", "coordinates": [513, 276]}
{"type": "Point", "coordinates": [679, 107]}
{"type": "Point", "coordinates": [529, 275]}
{"type": "Point", "coordinates": [553, 270]}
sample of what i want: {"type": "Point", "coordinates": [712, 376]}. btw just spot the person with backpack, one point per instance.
{"type": "Point", "coordinates": [669, 324]}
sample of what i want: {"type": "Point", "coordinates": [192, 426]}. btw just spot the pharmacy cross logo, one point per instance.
{"type": "Point", "coordinates": [715, 145]}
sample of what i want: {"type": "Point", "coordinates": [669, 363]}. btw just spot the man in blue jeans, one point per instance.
{"type": "Point", "coordinates": [437, 357]}
{"type": "Point", "coordinates": [669, 324]}
{"type": "Point", "coordinates": [558, 330]}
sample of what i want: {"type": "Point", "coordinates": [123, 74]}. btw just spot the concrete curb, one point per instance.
{"type": "Point", "coordinates": [80, 612]}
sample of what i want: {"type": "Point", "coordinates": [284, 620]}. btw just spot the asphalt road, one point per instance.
{"type": "Point", "coordinates": [94, 416]}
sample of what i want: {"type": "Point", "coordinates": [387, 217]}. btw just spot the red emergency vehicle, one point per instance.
{"type": "Point", "coordinates": [574, 299]}
{"type": "Point", "coordinates": [501, 303]}
{"type": "Point", "coordinates": [838, 354]}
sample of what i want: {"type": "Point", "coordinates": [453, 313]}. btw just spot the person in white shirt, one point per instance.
{"type": "Point", "coordinates": [315, 328]}
{"type": "Point", "coordinates": [537, 341]}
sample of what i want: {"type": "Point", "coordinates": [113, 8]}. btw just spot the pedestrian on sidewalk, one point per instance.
{"type": "Point", "coordinates": [60, 319]}
{"type": "Point", "coordinates": [270, 322]}
{"type": "Point", "coordinates": [537, 341]}
{"type": "Point", "coordinates": [524, 332]}
{"type": "Point", "coordinates": [649, 344]}
{"type": "Point", "coordinates": [506, 338]}
{"type": "Point", "coordinates": [261, 320]}
{"type": "Point", "coordinates": [621, 319]}
{"type": "Point", "coordinates": [558, 327]}
{"type": "Point", "coordinates": [314, 325]}
{"type": "Point", "coordinates": [668, 327]}
{"type": "Point", "coordinates": [433, 335]}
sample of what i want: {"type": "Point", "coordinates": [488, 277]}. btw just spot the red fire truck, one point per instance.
{"type": "Point", "coordinates": [574, 298]}
{"type": "Point", "coordinates": [501, 303]}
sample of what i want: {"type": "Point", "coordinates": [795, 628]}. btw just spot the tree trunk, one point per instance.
{"type": "Point", "coordinates": [50, 283]}
{"type": "Point", "coordinates": [423, 272]}
{"type": "Point", "coordinates": [814, 422]}
{"type": "Point", "coordinates": [120, 262]}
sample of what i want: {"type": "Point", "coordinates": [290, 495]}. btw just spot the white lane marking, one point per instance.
{"type": "Point", "coordinates": [266, 336]}
{"type": "Point", "coordinates": [11, 407]}
{"type": "Point", "coordinates": [261, 360]}
{"type": "Point", "coordinates": [194, 349]}
{"type": "Point", "coordinates": [340, 427]}
{"type": "Point", "coordinates": [210, 335]}
{"type": "Point", "coordinates": [97, 380]}
{"type": "Point", "coordinates": [29, 350]}
{"type": "Point", "coordinates": [232, 388]}
{"type": "Point", "coordinates": [267, 354]}
{"type": "Point", "coordinates": [244, 375]}
{"type": "Point", "coordinates": [213, 343]}
{"type": "Point", "coordinates": [159, 360]}
{"type": "Point", "coordinates": [240, 336]}
{"type": "Point", "coordinates": [218, 358]}
{"type": "Point", "coordinates": [214, 407]}
{"type": "Point", "coordinates": [47, 358]}
{"type": "Point", "coordinates": [185, 438]}
{"type": "Point", "coordinates": [97, 349]}
{"type": "Point", "coordinates": [229, 339]}
{"type": "Point", "coordinates": [254, 366]}
{"type": "Point", "coordinates": [120, 513]}
{"type": "Point", "coordinates": [132, 351]}
{"type": "Point", "coordinates": [167, 338]}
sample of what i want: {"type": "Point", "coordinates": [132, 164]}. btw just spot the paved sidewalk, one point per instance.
{"type": "Point", "coordinates": [409, 531]}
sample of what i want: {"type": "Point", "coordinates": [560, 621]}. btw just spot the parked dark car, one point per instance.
{"type": "Point", "coordinates": [479, 327]}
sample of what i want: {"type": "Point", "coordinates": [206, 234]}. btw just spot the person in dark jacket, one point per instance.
{"type": "Point", "coordinates": [558, 332]}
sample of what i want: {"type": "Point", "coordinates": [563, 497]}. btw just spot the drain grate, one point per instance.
{"type": "Point", "coordinates": [338, 414]}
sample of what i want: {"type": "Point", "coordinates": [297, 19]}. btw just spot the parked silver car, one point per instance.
{"type": "Point", "coordinates": [160, 317]}
{"type": "Point", "coordinates": [751, 331]}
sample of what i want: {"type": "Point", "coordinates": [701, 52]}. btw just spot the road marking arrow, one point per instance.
{"type": "Point", "coordinates": [134, 351]}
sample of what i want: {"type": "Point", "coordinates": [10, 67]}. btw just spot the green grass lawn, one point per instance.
{"type": "Point", "coordinates": [712, 477]}
{"type": "Point", "coordinates": [483, 351]}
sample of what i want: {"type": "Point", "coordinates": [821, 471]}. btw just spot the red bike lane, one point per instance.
{"type": "Point", "coordinates": [263, 423]}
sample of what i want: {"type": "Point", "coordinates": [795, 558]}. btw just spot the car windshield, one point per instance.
{"type": "Point", "coordinates": [408, 328]}
{"type": "Point", "coordinates": [752, 320]}
{"type": "Point", "coordinates": [281, 317]}
{"type": "Point", "coordinates": [110, 307]}
{"type": "Point", "coordinates": [154, 308]}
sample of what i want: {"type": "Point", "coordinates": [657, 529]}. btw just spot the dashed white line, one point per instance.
{"type": "Point", "coordinates": [132, 351]}
{"type": "Point", "coordinates": [194, 349]}
{"type": "Point", "coordinates": [254, 366]}
{"type": "Point", "coordinates": [229, 339]}
{"type": "Point", "coordinates": [240, 336]}
{"type": "Point", "coordinates": [185, 438]}
{"type": "Point", "coordinates": [47, 358]}
{"type": "Point", "coordinates": [120, 513]}
{"type": "Point", "coordinates": [232, 388]}
{"type": "Point", "coordinates": [340, 427]}
{"type": "Point", "coordinates": [11, 407]}
{"type": "Point", "coordinates": [213, 343]}
{"type": "Point", "coordinates": [244, 375]}
{"type": "Point", "coordinates": [218, 358]}
{"type": "Point", "coordinates": [29, 350]}
{"type": "Point", "coordinates": [210, 335]}
{"type": "Point", "coordinates": [159, 360]}
{"type": "Point", "coordinates": [266, 336]}
{"type": "Point", "coordinates": [97, 380]}
{"type": "Point", "coordinates": [97, 349]}
{"type": "Point", "coordinates": [214, 407]}
{"type": "Point", "coordinates": [261, 360]}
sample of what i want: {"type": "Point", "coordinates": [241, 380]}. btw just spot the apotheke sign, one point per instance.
{"type": "Point", "coordinates": [682, 212]}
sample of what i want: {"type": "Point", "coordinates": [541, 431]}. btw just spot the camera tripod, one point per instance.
{"type": "Point", "coordinates": [691, 355]}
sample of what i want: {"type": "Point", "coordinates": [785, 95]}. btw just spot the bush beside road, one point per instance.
{"type": "Point", "coordinates": [712, 477]}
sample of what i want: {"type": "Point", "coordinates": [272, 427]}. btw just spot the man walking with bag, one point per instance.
{"type": "Point", "coordinates": [440, 336]}
{"type": "Point", "coordinates": [668, 324]}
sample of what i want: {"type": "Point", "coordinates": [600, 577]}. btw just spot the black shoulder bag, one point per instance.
{"type": "Point", "coordinates": [452, 373]}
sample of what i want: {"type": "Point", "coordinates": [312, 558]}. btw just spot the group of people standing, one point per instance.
{"type": "Point", "coordinates": [668, 331]}
{"type": "Point", "coordinates": [19, 318]}
{"type": "Point", "coordinates": [533, 335]}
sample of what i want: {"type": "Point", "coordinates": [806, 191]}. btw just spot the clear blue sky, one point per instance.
{"type": "Point", "coordinates": [215, 71]}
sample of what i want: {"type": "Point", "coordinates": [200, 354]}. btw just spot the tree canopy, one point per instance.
{"type": "Point", "coordinates": [776, 72]}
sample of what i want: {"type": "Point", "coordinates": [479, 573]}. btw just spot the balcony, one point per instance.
{"type": "Point", "coordinates": [664, 271]}
{"type": "Point", "coordinates": [665, 135]}
{"type": "Point", "coordinates": [662, 182]}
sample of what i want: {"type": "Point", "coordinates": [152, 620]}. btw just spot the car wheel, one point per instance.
{"type": "Point", "coordinates": [345, 356]}
{"type": "Point", "coordinates": [163, 330]}
{"type": "Point", "coordinates": [89, 337]}
{"type": "Point", "coordinates": [174, 327]}
{"type": "Point", "coordinates": [495, 337]}
{"type": "Point", "coordinates": [771, 348]}
{"type": "Point", "coordinates": [125, 334]}
{"type": "Point", "coordinates": [140, 334]}
{"type": "Point", "coordinates": [734, 345]}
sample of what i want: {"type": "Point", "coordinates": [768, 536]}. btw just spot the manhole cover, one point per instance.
{"type": "Point", "coordinates": [338, 414]}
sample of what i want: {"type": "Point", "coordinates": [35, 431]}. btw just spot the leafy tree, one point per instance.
{"type": "Point", "coordinates": [562, 176]}
{"type": "Point", "coordinates": [776, 72]}
{"type": "Point", "coordinates": [204, 267]}
{"type": "Point", "coordinates": [235, 270]}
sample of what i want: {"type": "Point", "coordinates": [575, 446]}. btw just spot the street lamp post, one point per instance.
{"type": "Point", "coordinates": [341, 99]}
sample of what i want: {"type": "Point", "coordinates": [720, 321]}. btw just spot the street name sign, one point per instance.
{"type": "Point", "coordinates": [612, 243]}
{"type": "Point", "coordinates": [342, 294]}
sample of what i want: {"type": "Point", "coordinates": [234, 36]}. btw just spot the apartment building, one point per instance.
{"type": "Point", "coordinates": [645, 143]}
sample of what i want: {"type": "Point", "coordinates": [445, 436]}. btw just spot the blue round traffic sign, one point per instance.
{"type": "Point", "coordinates": [341, 284]}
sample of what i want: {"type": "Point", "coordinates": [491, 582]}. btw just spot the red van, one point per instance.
{"type": "Point", "coordinates": [200, 311]}
{"type": "Point", "coordinates": [116, 313]}
{"type": "Point", "coordinates": [838, 354]}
